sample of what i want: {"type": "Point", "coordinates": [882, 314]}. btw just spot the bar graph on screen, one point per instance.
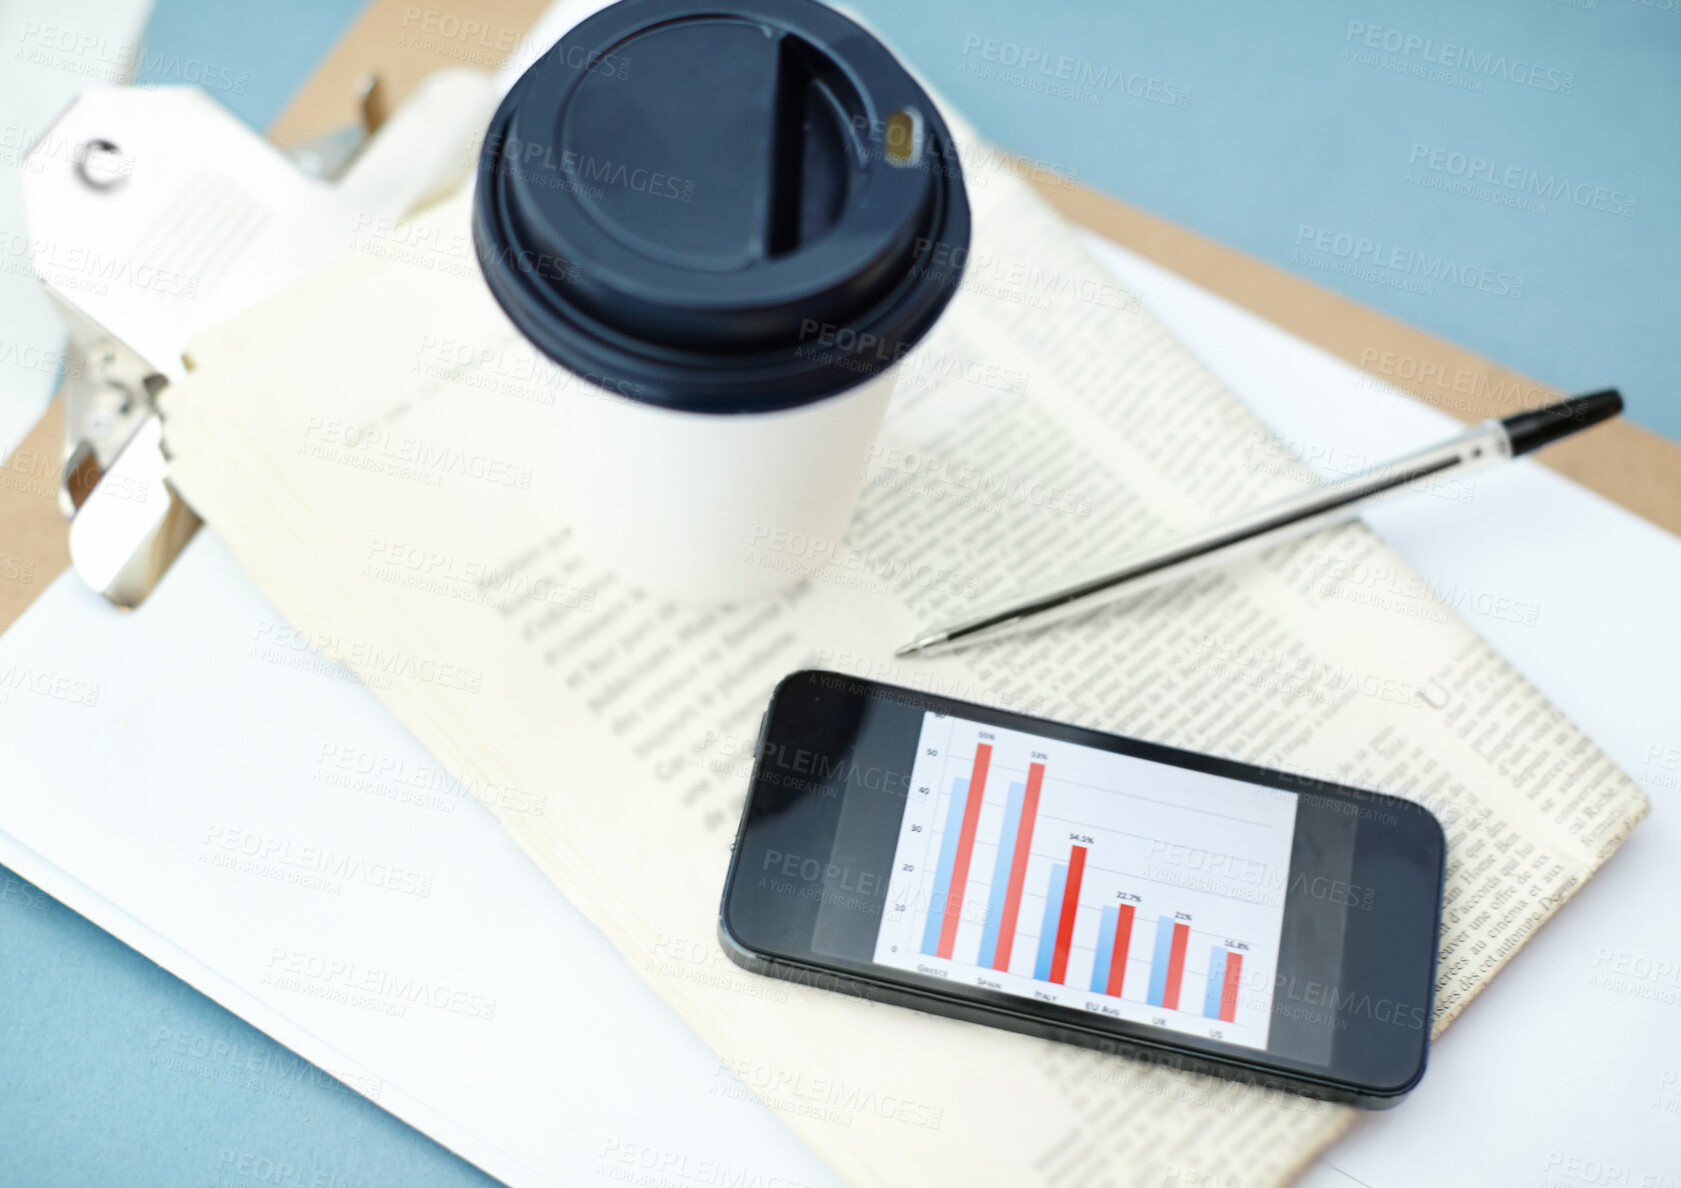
{"type": "Point", "coordinates": [1090, 879]}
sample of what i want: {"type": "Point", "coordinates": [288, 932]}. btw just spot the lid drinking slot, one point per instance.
{"type": "Point", "coordinates": [808, 174]}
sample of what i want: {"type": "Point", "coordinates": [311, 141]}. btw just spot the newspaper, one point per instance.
{"type": "Point", "coordinates": [373, 444]}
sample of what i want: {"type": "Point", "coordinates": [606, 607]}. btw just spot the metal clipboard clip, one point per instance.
{"type": "Point", "coordinates": [154, 214]}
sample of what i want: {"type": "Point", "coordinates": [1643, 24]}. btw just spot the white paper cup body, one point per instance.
{"type": "Point", "coordinates": [714, 507]}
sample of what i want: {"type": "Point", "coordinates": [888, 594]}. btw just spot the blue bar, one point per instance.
{"type": "Point", "coordinates": [1001, 876]}
{"type": "Point", "coordinates": [1216, 982]}
{"type": "Point", "coordinates": [948, 858]}
{"type": "Point", "coordinates": [1158, 967]}
{"type": "Point", "coordinates": [1053, 917]}
{"type": "Point", "coordinates": [1105, 949]}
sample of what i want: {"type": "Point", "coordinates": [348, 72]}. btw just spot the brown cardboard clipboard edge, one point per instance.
{"type": "Point", "coordinates": [403, 42]}
{"type": "Point", "coordinates": [34, 543]}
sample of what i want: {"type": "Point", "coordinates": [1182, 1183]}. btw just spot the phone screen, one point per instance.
{"type": "Point", "coordinates": [1099, 884]}
{"type": "Point", "coordinates": [1066, 874]}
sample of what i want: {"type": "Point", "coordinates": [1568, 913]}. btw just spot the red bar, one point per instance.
{"type": "Point", "coordinates": [965, 848]}
{"type": "Point", "coordinates": [1118, 955]}
{"type": "Point", "coordinates": [1070, 901]}
{"type": "Point", "coordinates": [1175, 966]}
{"type": "Point", "coordinates": [1228, 991]}
{"type": "Point", "coordinates": [1018, 868]}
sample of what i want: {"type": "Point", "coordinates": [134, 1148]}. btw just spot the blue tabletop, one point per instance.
{"type": "Point", "coordinates": [1506, 175]}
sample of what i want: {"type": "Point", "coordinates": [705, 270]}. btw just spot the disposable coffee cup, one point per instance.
{"type": "Point", "coordinates": [730, 221]}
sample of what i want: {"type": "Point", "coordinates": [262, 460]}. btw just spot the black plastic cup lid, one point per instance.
{"type": "Point", "coordinates": [732, 207]}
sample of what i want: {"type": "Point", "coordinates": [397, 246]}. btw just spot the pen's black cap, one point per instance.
{"type": "Point", "coordinates": [1543, 426]}
{"type": "Point", "coordinates": [721, 205]}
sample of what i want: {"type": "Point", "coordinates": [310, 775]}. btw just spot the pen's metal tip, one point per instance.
{"type": "Point", "coordinates": [922, 643]}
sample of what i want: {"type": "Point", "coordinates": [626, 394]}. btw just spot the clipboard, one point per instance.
{"type": "Point", "coordinates": [401, 44]}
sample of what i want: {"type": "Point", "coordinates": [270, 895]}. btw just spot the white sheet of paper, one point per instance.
{"type": "Point", "coordinates": [195, 750]}
{"type": "Point", "coordinates": [227, 814]}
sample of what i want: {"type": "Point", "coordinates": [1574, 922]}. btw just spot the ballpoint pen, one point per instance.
{"type": "Point", "coordinates": [1289, 519]}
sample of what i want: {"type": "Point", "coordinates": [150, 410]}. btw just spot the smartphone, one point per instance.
{"type": "Point", "coordinates": [1090, 888]}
